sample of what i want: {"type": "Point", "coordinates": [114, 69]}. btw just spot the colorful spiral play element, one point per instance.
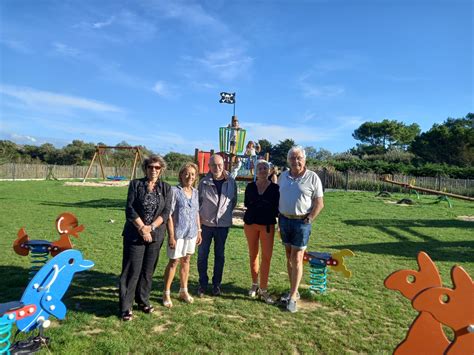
{"type": "Point", "coordinates": [318, 276]}
{"type": "Point", "coordinates": [6, 322]}
{"type": "Point", "coordinates": [39, 255]}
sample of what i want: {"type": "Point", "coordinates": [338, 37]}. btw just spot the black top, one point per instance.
{"type": "Point", "coordinates": [148, 206]}
{"type": "Point", "coordinates": [261, 209]}
{"type": "Point", "coordinates": [218, 184]}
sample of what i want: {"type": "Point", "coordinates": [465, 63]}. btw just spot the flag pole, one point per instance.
{"type": "Point", "coordinates": [234, 103]}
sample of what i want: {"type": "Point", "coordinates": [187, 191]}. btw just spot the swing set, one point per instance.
{"type": "Point", "coordinates": [101, 150]}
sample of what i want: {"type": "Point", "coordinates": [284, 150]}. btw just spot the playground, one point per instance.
{"type": "Point", "coordinates": [354, 315]}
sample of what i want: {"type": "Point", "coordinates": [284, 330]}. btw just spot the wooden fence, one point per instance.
{"type": "Point", "coordinates": [371, 182]}
{"type": "Point", "coordinates": [330, 179]}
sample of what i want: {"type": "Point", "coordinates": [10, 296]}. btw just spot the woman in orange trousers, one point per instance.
{"type": "Point", "coordinates": [261, 200]}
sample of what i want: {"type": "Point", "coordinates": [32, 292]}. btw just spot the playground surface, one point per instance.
{"type": "Point", "coordinates": [355, 315]}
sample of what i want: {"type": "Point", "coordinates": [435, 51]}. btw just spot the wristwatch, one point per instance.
{"type": "Point", "coordinates": [153, 227]}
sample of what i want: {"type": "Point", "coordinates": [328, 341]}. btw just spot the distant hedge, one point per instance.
{"type": "Point", "coordinates": [384, 167]}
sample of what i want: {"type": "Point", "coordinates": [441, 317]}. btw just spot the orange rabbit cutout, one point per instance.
{"type": "Point", "coordinates": [454, 308]}
{"type": "Point", "coordinates": [426, 333]}
{"type": "Point", "coordinates": [437, 306]}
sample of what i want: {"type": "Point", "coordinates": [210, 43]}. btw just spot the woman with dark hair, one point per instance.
{"type": "Point", "coordinates": [184, 232]}
{"type": "Point", "coordinates": [147, 211]}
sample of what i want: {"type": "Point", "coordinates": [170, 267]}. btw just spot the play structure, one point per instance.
{"type": "Point", "coordinates": [443, 196]}
{"type": "Point", "coordinates": [239, 158]}
{"type": "Point", "coordinates": [437, 306]}
{"type": "Point", "coordinates": [66, 224]}
{"type": "Point", "coordinates": [101, 150]}
{"type": "Point", "coordinates": [41, 299]}
{"type": "Point", "coordinates": [318, 267]}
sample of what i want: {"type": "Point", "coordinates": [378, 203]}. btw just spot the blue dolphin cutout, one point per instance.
{"type": "Point", "coordinates": [49, 285]}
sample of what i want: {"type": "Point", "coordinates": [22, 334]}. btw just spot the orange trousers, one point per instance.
{"type": "Point", "coordinates": [256, 233]}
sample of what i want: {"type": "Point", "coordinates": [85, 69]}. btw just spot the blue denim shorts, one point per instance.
{"type": "Point", "coordinates": [294, 232]}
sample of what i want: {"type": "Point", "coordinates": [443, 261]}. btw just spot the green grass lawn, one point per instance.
{"type": "Point", "coordinates": [354, 315]}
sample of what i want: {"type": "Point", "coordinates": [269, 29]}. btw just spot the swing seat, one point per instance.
{"type": "Point", "coordinates": [116, 178]}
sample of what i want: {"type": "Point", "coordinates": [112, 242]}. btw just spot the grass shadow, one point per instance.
{"type": "Point", "coordinates": [456, 251]}
{"type": "Point", "coordinates": [90, 291]}
{"type": "Point", "coordinates": [393, 227]}
{"type": "Point", "coordinates": [117, 204]}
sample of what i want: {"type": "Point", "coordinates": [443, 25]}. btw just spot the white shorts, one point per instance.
{"type": "Point", "coordinates": [183, 247]}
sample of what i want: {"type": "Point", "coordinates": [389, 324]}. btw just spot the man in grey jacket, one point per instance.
{"type": "Point", "coordinates": [217, 199]}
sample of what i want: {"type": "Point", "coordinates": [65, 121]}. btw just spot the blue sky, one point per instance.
{"type": "Point", "coordinates": [149, 72]}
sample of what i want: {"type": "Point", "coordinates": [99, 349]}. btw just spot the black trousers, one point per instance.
{"type": "Point", "coordinates": [138, 265]}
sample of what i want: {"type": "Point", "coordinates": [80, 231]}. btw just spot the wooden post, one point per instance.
{"type": "Point", "coordinates": [90, 166]}
{"type": "Point", "coordinates": [101, 165]}
{"type": "Point", "coordinates": [134, 167]}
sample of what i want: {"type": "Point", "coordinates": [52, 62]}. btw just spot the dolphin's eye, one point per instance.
{"type": "Point", "coordinates": [71, 261]}
{"type": "Point", "coordinates": [411, 279]}
{"type": "Point", "coordinates": [444, 298]}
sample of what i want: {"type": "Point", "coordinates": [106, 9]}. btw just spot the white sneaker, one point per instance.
{"type": "Point", "coordinates": [291, 306]}
{"type": "Point", "coordinates": [286, 297]}
{"type": "Point", "coordinates": [253, 291]}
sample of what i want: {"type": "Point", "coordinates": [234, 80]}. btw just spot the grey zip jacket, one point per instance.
{"type": "Point", "coordinates": [215, 211]}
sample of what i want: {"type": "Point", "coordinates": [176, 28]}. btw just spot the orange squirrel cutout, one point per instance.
{"type": "Point", "coordinates": [66, 225]}
{"type": "Point", "coordinates": [426, 333]}
{"type": "Point", "coordinates": [454, 308]}
{"type": "Point", "coordinates": [437, 306]}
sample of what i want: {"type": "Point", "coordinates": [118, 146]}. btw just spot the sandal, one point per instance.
{"type": "Point", "coordinates": [146, 308]}
{"type": "Point", "coordinates": [127, 316]}
{"type": "Point", "coordinates": [184, 295]}
{"type": "Point", "coordinates": [167, 302]}
{"type": "Point", "coordinates": [265, 296]}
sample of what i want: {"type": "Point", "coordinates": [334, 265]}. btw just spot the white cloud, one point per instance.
{"type": "Point", "coordinates": [203, 85]}
{"type": "Point", "coordinates": [321, 91]}
{"type": "Point", "coordinates": [189, 13]}
{"type": "Point", "coordinates": [64, 49]}
{"type": "Point", "coordinates": [16, 45]}
{"type": "Point", "coordinates": [349, 121]}
{"type": "Point", "coordinates": [308, 116]}
{"type": "Point", "coordinates": [34, 97]}
{"type": "Point", "coordinates": [19, 137]}
{"type": "Point", "coordinates": [163, 89]}
{"type": "Point", "coordinates": [228, 60]}
{"type": "Point", "coordinates": [122, 27]}
{"type": "Point", "coordinates": [275, 133]}
{"type": "Point", "coordinates": [99, 25]}
{"type": "Point", "coordinates": [108, 70]}
{"type": "Point", "coordinates": [226, 63]}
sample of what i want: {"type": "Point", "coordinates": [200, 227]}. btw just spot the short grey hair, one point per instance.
{"type": "Point", "coordinates": [262, 161]}
{"type": "Point", "coordinates": [294, 149]}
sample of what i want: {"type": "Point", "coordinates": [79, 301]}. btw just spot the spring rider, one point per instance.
{"type": "Point", "coordinates": [41, 299]}
{"type": "Point", "coordinates": [318, 267]}
{"type": "Point", "coordinates": [66, 225]}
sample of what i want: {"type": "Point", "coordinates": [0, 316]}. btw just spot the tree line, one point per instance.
{"type": "Point", "coordinates": [385, 147]}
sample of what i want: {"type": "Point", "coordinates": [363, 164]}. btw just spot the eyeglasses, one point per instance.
{"type": "Point", "coordinates": [153, 167]}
